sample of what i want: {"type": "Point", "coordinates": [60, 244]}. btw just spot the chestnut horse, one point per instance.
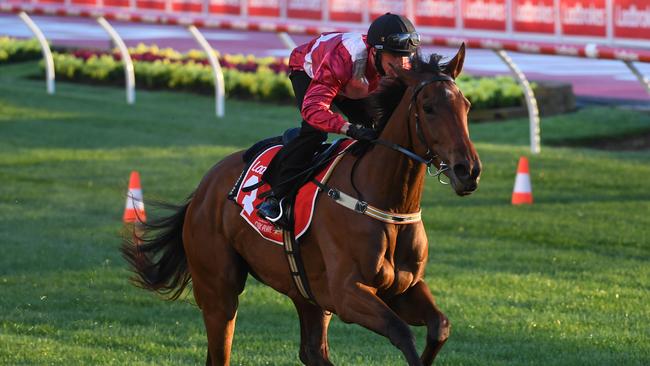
{"type": "Point", "coordinates": [366, 271]}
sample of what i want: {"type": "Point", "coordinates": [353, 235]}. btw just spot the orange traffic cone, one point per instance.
{"type": "Point", "coordinates": [134, 211]}
{"type": "Point", "coordinates": [523, 192]}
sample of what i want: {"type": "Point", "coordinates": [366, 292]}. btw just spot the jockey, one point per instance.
{"type": "Point", "coordinates": [340, 70]}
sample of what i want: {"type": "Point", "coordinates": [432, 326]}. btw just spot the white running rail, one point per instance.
{"type": "Point", "coordinates": [129, 73]}
{"type": "Point", "coordinates": [45, 48]}
{"type": "Point", "coordinates": [219, 88]}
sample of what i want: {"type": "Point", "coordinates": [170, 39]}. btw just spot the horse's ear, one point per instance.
{"type": "Point", "coordinates": [405, 76]}
{"type": "Point", "coordinates": [455, 66]}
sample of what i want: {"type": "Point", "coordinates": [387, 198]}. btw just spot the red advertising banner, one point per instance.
{"type": "Point", "coordinates": [232, 7]}
{"type": "Point", "coordinates": [436, 13]}
{"type": "Point", "coordinates": [534, 16]}
{"type": "Point", "coordinates": [267, 8]}
{"type": "Point", "coordinates": [485, 14]}
{"type": "Point", "coordinates": [150, 4]}
{"type": "Point", "coordinates": [84, 2]}
{"type": "Point", "coordinates": [583, 18]}
{"type": "Point", "coordinates": [632, 19]}
{"type": "Point", "coordinates": [305, 9]}
{"type": "Point", "coordinates": [381, 7]}
{"type": "Point", "coordinates": [346, 10]}
{"type": "Point", "coordinates": [117, 3]}
{"type": "Point", "coordinates": [193, 6]}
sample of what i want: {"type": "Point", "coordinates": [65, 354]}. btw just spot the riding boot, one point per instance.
{"type": "Point", "coordinates": [283, 173]}
{"type": "Point", "coordinates": [270, 209]}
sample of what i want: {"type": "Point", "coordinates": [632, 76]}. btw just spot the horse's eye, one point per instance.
{"type": "Point", "coordinates": [428, 109]}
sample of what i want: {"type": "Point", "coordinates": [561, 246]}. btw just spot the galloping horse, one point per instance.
{"type": "Point", "coordinates": [366, 271]}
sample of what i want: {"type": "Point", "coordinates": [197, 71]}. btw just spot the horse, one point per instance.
{"type": "Point", "coordinates": [363, 270]}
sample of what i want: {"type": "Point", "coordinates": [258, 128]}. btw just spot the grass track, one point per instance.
{"type": "Point", "coordinates": [563, 282]}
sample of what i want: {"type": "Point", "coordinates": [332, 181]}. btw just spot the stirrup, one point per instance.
{"type": "Point", "coordinates": [275, 219]}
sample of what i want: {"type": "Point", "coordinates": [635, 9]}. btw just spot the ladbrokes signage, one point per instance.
{"type": "Point", "coordinates": [534, 16]}
{"type": "Point", "coordinates": [436, 13]}
{"type": "Point", "coordinates": [632, 19]}
{"type": "Point", "coordinates": [583, 18]}
{"type": "Point", "coordinates": [268, 8]}
{"type": "Point", "coordinates": [305, 9]}
{"type": "Point", "coordinates": [484, 14]}
{"type": "Point", "coordinates": [346, 10]}
{"type": "Point", "coordinates": [611, 22]}
{"type": "Point", "coordinates": [380, 7]}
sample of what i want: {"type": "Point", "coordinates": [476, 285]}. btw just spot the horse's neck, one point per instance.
{"type": "Point", "coordinates": [394, 180]}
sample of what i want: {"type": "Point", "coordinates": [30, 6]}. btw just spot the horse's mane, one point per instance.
{"type": "Point", "coordinates": [386, 98]}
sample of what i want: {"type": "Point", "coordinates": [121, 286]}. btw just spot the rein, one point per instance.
{"type": "Point", "coordinates": [429, 156]}
{"type": "Point", "coordinates": [361, 206]}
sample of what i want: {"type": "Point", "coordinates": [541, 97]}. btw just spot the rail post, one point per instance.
{"type": "Point", "coordinates": [129, 73]}
{"type": "Point", "coordinates": [642, 79]}
{"type": "Point", "coordinates": [287, 41]}
{"type": "Point", "coordinates": [45, 48]}
{"type": "Point", "coordinates": [219, 88]}
{"type": "Point", "coordinates": [531, 102]}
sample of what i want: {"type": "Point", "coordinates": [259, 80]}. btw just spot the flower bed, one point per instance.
{"type": "Point", "coordinates": [16, 50]}
{"type": "Point", "coordinates": [244, 76]}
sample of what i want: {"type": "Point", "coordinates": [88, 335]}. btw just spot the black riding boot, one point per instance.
{"type": "Point", "coordinates": [284, 170]}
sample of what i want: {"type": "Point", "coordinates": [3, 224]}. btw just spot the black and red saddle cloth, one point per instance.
{"type": "Point", "coordinates": [258, 158]}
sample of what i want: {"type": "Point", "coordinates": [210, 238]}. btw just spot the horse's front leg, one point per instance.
{"type": "Point", "coordinates": [314, 321]}
{"type": "Point", "coordinates": [358, 303]}
{"type": "Point", "coordinates": [418, 307]}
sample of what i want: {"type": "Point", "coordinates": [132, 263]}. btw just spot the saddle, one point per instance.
{"type": "Point", "coordinates": [250, 190]}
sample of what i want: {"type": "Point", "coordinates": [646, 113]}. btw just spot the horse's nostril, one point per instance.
{"type": "Point", "coordinates": [476, 171]}
{"type": "Point", "coordinates": [461, 171]}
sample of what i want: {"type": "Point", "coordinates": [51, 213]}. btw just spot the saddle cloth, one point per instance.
{"type": "Point", "coordinates": [304, 203]}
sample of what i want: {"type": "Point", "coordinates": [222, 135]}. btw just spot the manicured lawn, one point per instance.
{"type": "Point", "coordinates": [565, 281]}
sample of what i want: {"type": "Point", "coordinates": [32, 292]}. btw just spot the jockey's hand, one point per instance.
{"type": "Point", "coordinates": [361, 133]}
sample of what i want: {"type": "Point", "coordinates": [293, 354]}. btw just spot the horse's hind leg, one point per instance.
{"type": "Point", "coordinates": [217, 281]}
{"type": "Point", "coordinates": [417, 307]}
{"type": "Point", "coordinates": [313, 333]}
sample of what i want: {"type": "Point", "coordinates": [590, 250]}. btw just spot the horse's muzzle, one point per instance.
{"type": "Point", "coordinates": [465, 177]}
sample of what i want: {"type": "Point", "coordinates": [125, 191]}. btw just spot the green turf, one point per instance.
{"type": "Point", "coordinates": [562, 282]}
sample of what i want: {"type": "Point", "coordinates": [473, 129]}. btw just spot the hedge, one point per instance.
{"type": "Point", "coordinates": [263, 84]}
{"type": "Point", "coordinates": [244, 76]}
{"type": "Point", "coordinates": [16, 50]}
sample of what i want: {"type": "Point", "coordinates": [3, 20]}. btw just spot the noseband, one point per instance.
{"type": "Point", "coordinates": [429, 156]}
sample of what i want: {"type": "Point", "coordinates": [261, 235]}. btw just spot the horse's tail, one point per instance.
{"type": "Point", "coordinates": [157, 256]}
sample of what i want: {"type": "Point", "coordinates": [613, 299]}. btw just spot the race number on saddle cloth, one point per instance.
{"type": "Point", "coordinates": [305, 201]}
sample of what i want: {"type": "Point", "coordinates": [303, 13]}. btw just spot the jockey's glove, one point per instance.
{"type": "Point", "coordinates": [362, 133]}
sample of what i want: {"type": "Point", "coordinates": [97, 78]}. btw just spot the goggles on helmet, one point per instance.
{"type": "Point", "coordinates": [401, 42]}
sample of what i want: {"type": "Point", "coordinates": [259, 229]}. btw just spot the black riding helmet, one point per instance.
{"type": "Point", "coordinates": [393, 33]}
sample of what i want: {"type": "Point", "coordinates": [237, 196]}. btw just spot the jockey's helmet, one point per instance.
{"type": "Point", "coordinates": [393, 33]}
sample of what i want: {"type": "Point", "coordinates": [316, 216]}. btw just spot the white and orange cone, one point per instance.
{"type": "Point", "coordinates": [523, 191]}
{"type": "Point", "coordinates": [134, 211]}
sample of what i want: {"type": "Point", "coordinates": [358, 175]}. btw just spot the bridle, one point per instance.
{"type": "Point", "coordinates": [429, 156]}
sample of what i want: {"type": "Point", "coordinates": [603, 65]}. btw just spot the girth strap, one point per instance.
{"type": "Point", "coordinates": [367, 209]}
{"type": "Point", "coordinates": [298, 274]}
